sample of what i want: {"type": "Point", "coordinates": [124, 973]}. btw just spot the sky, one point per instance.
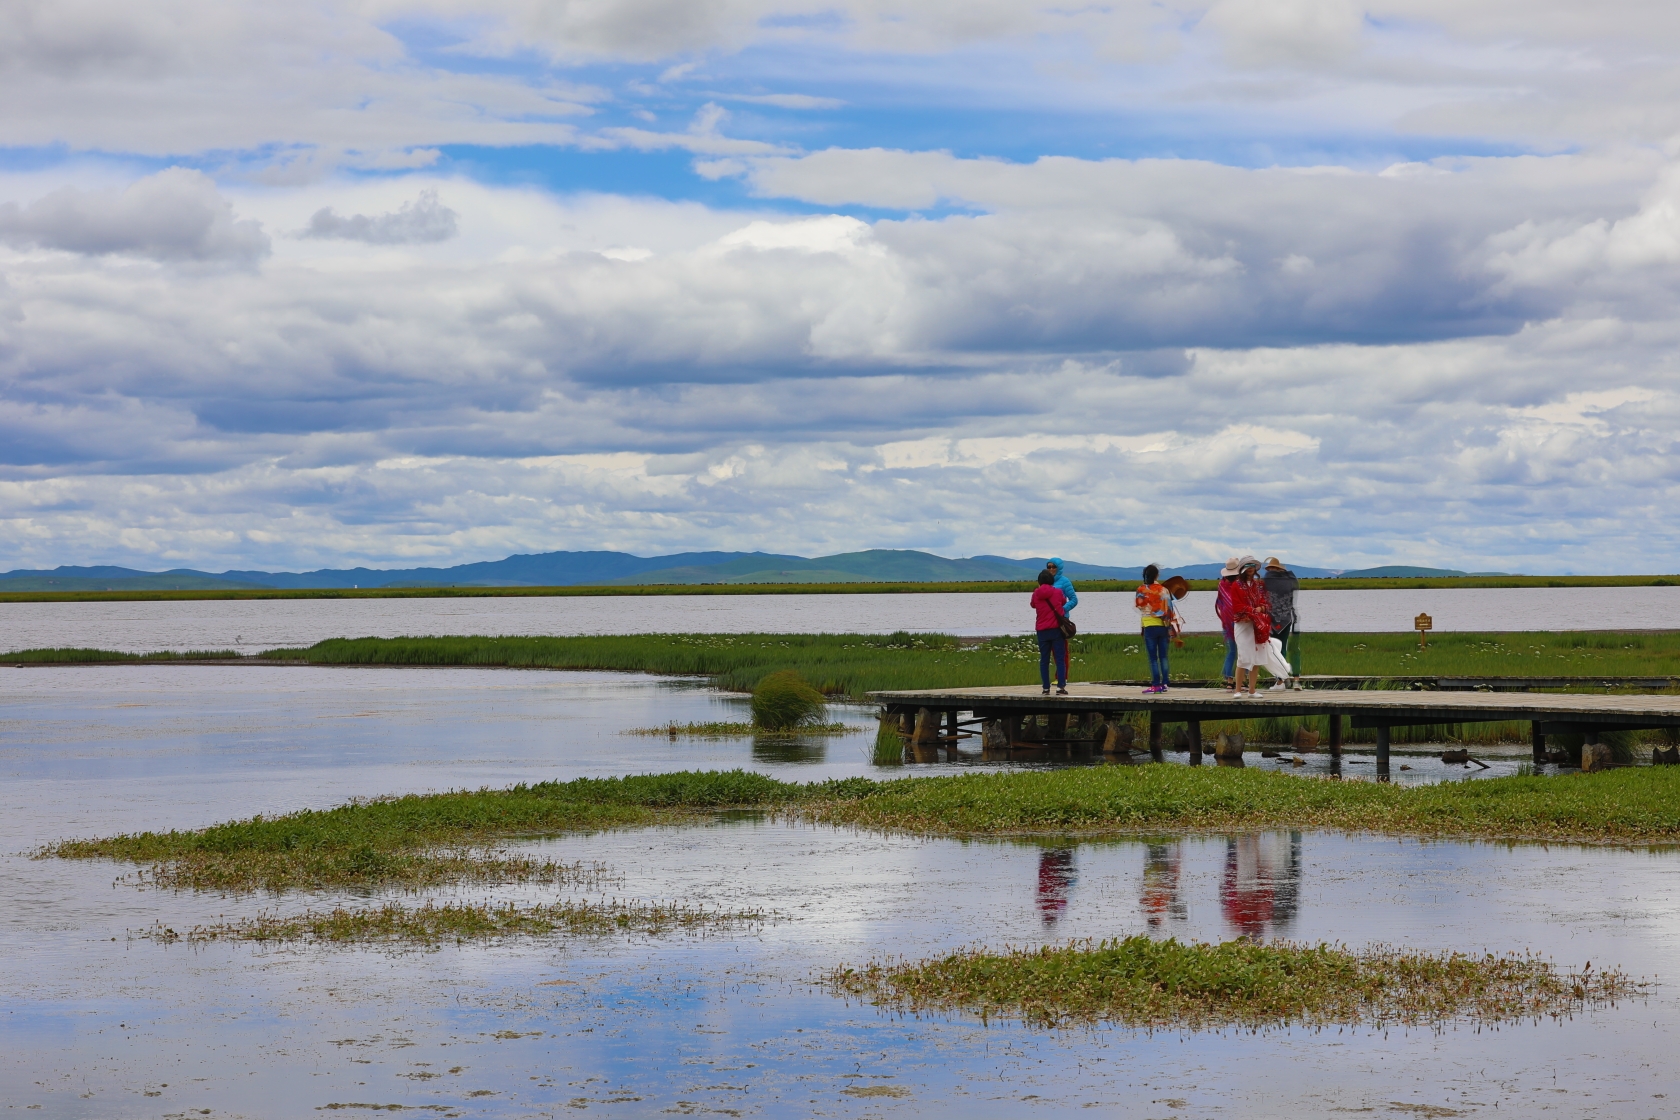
{"type": "Point", "coordinates": [405, 282]}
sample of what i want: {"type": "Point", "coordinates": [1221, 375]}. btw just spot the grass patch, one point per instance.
{"type": "Point", "coordinates": [428, 839]}
{"type": "Point", "coordinates": [418, 840]}
{"type": "Point", "coordinates": [433, 924]}
{"type": "Point", "coordinates": [675, 730]}
{"type": "Point", "coordinates": [1629, 805]}
{"type": "Point", "coordinates": [1140, 982]}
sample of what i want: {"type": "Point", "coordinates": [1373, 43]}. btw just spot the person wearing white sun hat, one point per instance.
{"type": "Point", "coordinates": [1222, 608]}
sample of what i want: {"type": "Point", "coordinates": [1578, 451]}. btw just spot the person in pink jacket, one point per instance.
{"type": "Point", "coordinates": [1047, 602]}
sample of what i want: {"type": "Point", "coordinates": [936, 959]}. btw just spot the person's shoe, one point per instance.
{"type": "Point", "coordinates": [1280, 686]}
{"type": "Point", "coordinates": [1061, 692]}
{"type": "Point", "coordinates": [1046, 692]}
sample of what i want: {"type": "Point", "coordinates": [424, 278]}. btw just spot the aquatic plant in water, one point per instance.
{"type": "Point", "coordinates": [1141, 982]}
{"type": "Point", "coordinates": [675, 730]}
{"type": "Point", "coordinates": [784, 700]}
{"type": "Point", "coordinates": [460, 922]}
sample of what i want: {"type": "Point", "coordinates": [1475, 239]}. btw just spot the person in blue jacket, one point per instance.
{"type": "Point", "coordinates": [1063, 584]}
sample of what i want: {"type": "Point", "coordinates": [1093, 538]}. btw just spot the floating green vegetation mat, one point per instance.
{"type": "Point", "coordinates": [433, 924]}
{"type": "Point", "coordinates": [424, 840]}
{"type": "Point", "coordinates": [1139, 982]}
{"type": "Point", "coordinates": [676, 730]}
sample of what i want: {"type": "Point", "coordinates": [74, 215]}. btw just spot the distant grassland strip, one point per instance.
{"type": "Point", "coordinates": [1141, 982]}
{"type": "Point", "coordinates": [81, 656]}
{"type": "Point", "coordinates": [411, 840]}
{"type": "Point", "coordinates": [434, 923]}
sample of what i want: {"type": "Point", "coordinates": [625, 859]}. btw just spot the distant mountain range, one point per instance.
{"type": "Point", "coordinates": [567, 569]}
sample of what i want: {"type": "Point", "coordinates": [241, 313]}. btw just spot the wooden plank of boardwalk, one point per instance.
{"type": "Point", "coordinates": [1368, 707]}
{"type": "Point", "coordinates": [1380, 709]}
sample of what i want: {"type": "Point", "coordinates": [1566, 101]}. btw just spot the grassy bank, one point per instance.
{"type": "Point", "coordinates": [854, 664]}
{"type": "Point", "coordinates": [408, 840]}
{"type": "Point", "coordinates": [1139, 982]}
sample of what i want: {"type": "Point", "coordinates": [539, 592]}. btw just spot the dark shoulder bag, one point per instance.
{"type": "Point", "coordinates": [1066, 624]}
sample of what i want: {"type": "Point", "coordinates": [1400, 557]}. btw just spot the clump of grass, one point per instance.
{"type": "Point", "coordinates": [433, 924]}
{"type": "Point", "coordinates": [1140, 982]}
{"type": "Point", "coordinates": [784, 700]}
{"type": "Point", "coordinates": [889, 746]}
{"type": "Point", "coordinates": [361, 865]}
{"type": "Point", "coordinates": [677, 730]}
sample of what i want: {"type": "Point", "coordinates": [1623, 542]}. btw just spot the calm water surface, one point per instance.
{"type": "Point", "coordinates": [727, 1024]}
{"type": "Point", "coordinates": [249, 626]}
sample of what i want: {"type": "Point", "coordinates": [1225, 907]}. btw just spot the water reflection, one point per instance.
{"type": "Point", "coordinates": [1260, 888]}
{"type": "Point", "coordinates": [1055, 879]}
{"type": "Point", "coordinates": [1161, 899]}
{"type": "Point", "coordinates": [769, 749]}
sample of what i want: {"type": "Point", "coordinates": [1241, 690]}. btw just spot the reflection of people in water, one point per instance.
{"type": "Point", "coordinates": [1261, 887]}
{"type": "Point", "coordinates": [1160, 885]}
{"type": "Point", "coordinates": [1055, 877]}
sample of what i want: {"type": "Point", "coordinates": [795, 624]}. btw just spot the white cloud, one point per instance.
{"type": "Point", "coordinates": [175, 215]}
{"type": "Point", "coordinates": [417, 222]}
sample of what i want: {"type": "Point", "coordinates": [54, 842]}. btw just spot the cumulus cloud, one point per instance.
{"type": "Point", "coordinates": [422, 221]}
{"type": "Point", "coordinates": [175, 215]}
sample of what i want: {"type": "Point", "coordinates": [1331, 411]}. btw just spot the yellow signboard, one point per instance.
{"type": "Point", "coordinates": [1423, 623]}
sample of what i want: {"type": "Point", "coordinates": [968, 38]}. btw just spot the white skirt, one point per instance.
{"type": "Point", "coordinates": [1248, 655]}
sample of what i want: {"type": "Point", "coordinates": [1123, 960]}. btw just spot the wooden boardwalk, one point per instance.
{"type": "Point", "coordinates": [1007, 716]}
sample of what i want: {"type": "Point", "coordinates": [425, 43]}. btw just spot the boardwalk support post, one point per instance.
{"type": "Point", "coordinates": [1382, 750]}
{"type": "Point", "coordinates": [1193, 728]}
{"type": "Point", "coordinates": [1335, 735]}
{"type": "Point", "coordinates": [1538, 734]}
{"type": "Point", "coordinates": [1155, 737]}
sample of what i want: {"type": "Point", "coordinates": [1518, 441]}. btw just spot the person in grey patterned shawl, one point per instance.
{"type": "Point", "coordinates": [1281, 586]}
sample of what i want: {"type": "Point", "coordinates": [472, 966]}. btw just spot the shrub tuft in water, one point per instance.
{"type": "Point", "coordinates": [783, 700]}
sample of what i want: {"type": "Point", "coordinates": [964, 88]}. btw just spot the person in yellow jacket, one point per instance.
{"type": "Point", "coordinates": [1155, 603]}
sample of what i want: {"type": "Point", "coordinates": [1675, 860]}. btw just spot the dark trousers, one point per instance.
{"type": "Point", "coordinates": [1155, 644]}
{"type": "Point", "coordinates": [1052, 641]}
{"type": "Point", "coordinates": [1285, 636]}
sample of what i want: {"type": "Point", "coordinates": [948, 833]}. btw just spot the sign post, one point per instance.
{"type": "Point", "coordinates": [1424, 624]}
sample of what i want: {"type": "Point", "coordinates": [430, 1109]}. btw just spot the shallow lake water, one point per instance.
{"type": "Point", "coordinates": [94, 1023]}
{"type": "Point", "coordinates": [253, 625]}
